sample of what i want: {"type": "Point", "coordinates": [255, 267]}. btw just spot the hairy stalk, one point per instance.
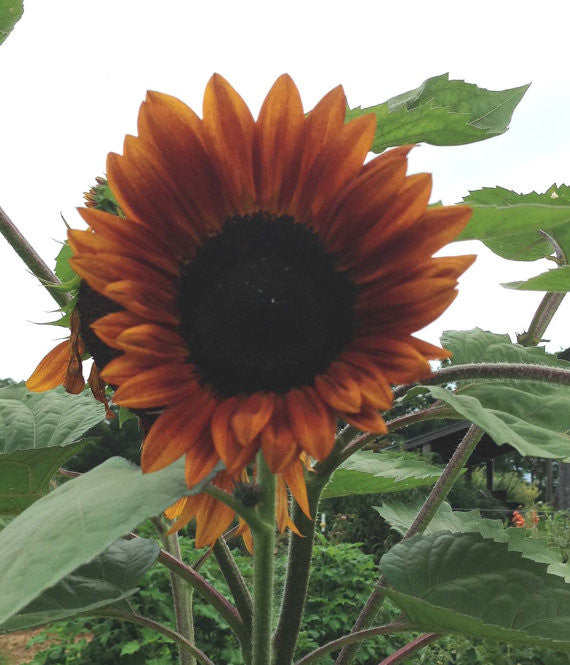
{"type": "Point", "coordinates": [180, 640]}
{"type": "Point", "coordinates": [432, 413]}
{"type": "Point", "coordinates": [263, 553]}
{"type": "Point", "coordinates": [396, 627]}
{"type": "Point", "coordinates": [548, 305]}
{"type": "Point", "coordinates": [408, 649]}
{"type": "Point", "coordinates": [427, 511]}
{"type": "Point", "coordinates": [181, 593]}
{"type": "Point", "coordinates": [235, 581]}
{"type": "Point", "coordinates": [298, 570]}
{"type": "Point", "coordinates": [519, 371]}
{"type": "Point", "coordinates": [32, 259]}
{"type": "Point", "coordinates": [445, 481]}
{"type": "Point", "coordinates": [541, 319]}
{"type": "Point", "coordinates": [205, 589]}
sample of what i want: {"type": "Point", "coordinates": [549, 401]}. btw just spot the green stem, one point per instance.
{"type": "Point", "coordinates": [182, 642]}
{"type": "Point", "coordinates": [298, 570]}
{"type": "Point", "coordinates": [235, 581]}
{"type": "Point", "coordinates": [519, 371]}
{"type": "Point", "coordinates": [32, 259]}
{"type": "Point", "coordinates": [396, 627]}
{"type": "Point", "coordinates": [181, 594]}
{"type": "Point", "coordinates": [427, 511]}
{"type": "Point", "coordinates": [263, 552]}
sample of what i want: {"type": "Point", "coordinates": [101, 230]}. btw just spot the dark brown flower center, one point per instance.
{"type": "Point", "coordinates": [263, 306]}
{"type": "Point", "coordinates": [92, 306]}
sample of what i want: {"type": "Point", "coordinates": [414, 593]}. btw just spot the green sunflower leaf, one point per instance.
{"type": "Point", "coordinates": [77, 521]}
{"type": "Point", "coordinates": [366, 472]}
{"type": "Point", "coordinates": [39, 432]}
{"type": "Point", "coordinates": [400, 516]}
{"type": "Point", "coordinates": [531, 416]}
{"type": "Point", "coordinates": [44, 420]}
{"type": "Point", "coordinates": [109, 578]}
{"type": "Point", "coordinates": [482, 346]}
{"type": "Point", "coordinates": [463, 583]}
{"type": "Point", "coordinates": [63, 270]}
{"type": "Point", "coordinates": [442, 112]}
{"type": "Point", "coordinates": [10, 13]}
{"type": "Point", "coordinates": [25, 475]}
{"type": "Point", "coordinates": [509, 224]}
{"type": "Point", "coordinates": [557, 281]}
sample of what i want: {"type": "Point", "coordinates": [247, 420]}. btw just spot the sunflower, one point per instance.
{"type": "Point", "coordinates": [266, 281]}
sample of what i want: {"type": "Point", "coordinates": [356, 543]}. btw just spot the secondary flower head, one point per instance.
{"type": "Point", "coordinates": [265, 280]}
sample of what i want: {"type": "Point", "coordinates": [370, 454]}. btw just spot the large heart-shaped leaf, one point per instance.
{"type": "Point", "coordinates": [532, 419]}
{"type": "Point", "coordinates": [442, 112]}
{"type": "Point", "coordinates": [77, 521]}
{"type": "Point", "coordinates": [366, 472]}
{"type": "Point", "coordinates": [464, 583]}
{"type": "Point", "coordinates": [531, 416]}
{"type": "Point", "coordinates": [401, 515]}
{"type": "Point", "coordinates": [110, 577]}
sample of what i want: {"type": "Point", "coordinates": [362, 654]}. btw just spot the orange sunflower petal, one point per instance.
{"type": "Point", "coordinates": [234, 454]}
{"type": "Point", "coordinates": [294, 476]}
{"type": "Point", "coordinates": [146, 301]}
{"type": "Point", "coordinates": [135, 240]}
{"type": "Point", "coordinates": [200, 461]}
{"type": "Point", "coordinates": [109, 327]}
{"type": "Point", "coordinates": [177, 132]}
{"type": "Point", "coordinates": [339, 389]}
{"type": "Point", "coordinates": [338, 162]}
{"type": "Point", "coordinates": [228, 134]}
{"type": "Point", "coordinates": [311, 422]}
{"type": "Point", "coordinates": [158, 386]}
{"type": "Point", "coordinates": [367, 419]}
{"type": "Point", "coordinates": [366, 198]}
{"type": "Point", "coordinates": [279, 145]}
{"type": "Point", "coordinates": [52, 370]}
{"type": "Point", "coordinates": [251, 416]}
{"type": "Point", "coordinates": [178, 430]}
{"type": "Point", "coordinates": [141, 170]}
{"type": "Point", "coordinates": [278, 443]}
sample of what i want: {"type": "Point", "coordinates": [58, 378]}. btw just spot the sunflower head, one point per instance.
{"type": "Point", "coordinates": [264, 281]}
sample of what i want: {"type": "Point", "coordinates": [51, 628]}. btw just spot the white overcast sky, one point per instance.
{"type": "Point", "coordinates": [74, 72]}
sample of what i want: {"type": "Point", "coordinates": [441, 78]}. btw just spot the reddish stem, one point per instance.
{"type": "Point", "coordinates": [409, 648]}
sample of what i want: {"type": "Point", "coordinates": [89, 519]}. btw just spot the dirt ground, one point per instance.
{"type": "Point", "coordinates": [13, 647]}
